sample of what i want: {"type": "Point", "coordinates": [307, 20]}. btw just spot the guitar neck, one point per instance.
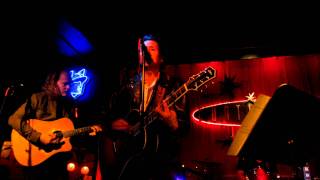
{"type": "Point", "coordinates": [170, 100]}
{"type": "Point", "coordinates": [194, 83]}
{"type": "Point", "coordinates": [176, 95]}
{"type": "Point", "coordinates": [78, 131]}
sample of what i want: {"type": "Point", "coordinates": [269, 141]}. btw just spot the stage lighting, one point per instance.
{"type": "Point", "coordinates": [71, 166]}
{"type": "Point", "coordinates": [85, 170]}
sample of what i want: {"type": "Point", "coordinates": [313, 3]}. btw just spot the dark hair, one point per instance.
{"type": "Point", "coordinates": [147, 37]}
{"type": "Point", "coordinates": [50, 84]}
{"type": "Point", "coordinates": [152, 37]}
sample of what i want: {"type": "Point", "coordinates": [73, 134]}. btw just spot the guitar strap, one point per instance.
{"type": "Point", "coordinates": [29, 113]}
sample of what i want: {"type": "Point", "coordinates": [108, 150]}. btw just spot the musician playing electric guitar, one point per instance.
{"type": "Point", "coordinates": [156, 154]}
{"type": "Point", "coordinates": [39, 140]}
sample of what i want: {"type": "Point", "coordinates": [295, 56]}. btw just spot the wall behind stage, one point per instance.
{"type": "Point", "coordinates": [206, 145]}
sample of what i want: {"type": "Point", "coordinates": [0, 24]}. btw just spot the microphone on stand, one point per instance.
{"type": "Point", "coordinates": [7, 91]}
{"type": "Point", "coordinates": [143, 53]}
{"type": "Point", "coordinates": [12, 87]}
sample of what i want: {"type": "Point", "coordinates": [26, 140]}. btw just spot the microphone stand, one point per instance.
{"type": "Point", "coordinates": [3, 118]}
{"type": "Point", "coordinates": [6, 94]}
{"type": "Point", "coordinates": [142, 60]}
{"type": "Point", "coordinates": [142, 71]}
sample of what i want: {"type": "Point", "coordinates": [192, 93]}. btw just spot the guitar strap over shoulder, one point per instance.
{"type": "Point", "coordinates": [29, 112]}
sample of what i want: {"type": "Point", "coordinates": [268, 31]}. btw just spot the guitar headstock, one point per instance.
{"type": "Point", "coordinates": [95, 129]}
{"type": "Point", "coordinates": [197, 80]}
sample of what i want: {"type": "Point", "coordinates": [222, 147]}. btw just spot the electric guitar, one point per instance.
{"type": "Point", "coordinates": [137, 144]}
{"type": "Point", "coordinates": [28, 154]}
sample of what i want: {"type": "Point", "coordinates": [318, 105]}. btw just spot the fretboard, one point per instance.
{"type": "Point", "coordinates": [176, 95]}
{"type": "Point", "coordinates": [78, 131]}
{"type": "Point", "coordinates": [170, 100]}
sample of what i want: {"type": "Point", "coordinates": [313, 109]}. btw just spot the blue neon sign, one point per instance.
{"type": "Point", "coordinates": [80, 79]}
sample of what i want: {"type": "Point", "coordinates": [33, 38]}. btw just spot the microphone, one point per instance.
{"type": "Point", "coordinates": [16, 84]}
{"type": "Point", "coordinates": [7, 91]}
{"type": "Point", "coordinates": [10, 90]}
{"type": "Point", "coordinates": [143, 53]}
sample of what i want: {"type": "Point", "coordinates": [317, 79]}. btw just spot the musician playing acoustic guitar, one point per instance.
{"type": "Point", "coordinates": [154, 157]}
{"type": "Point", "coordinates": [37, 122]}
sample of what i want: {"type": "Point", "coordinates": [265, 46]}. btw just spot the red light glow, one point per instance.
{"type": "Point", "coordinates": [71, 166]}
{"type": "Point", "coordinates": [214, 105]}
{"type": "Point", "coordinates": [84, 170]}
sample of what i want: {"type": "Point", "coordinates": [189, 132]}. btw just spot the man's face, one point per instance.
{"type": "Point", "coordinates": [153, 49]}
{"type": "Point", "coordinates": [64, 83]}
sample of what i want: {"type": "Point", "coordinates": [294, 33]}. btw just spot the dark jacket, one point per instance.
{"type": "Point", "coordinates": [127, 100]}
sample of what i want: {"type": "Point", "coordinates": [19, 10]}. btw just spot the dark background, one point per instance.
{"type": "Point", "coordinates": [189, 33]}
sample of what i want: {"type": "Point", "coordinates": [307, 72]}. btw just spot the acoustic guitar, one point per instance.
{"type": "Point", "coordinates": [28, 154]}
